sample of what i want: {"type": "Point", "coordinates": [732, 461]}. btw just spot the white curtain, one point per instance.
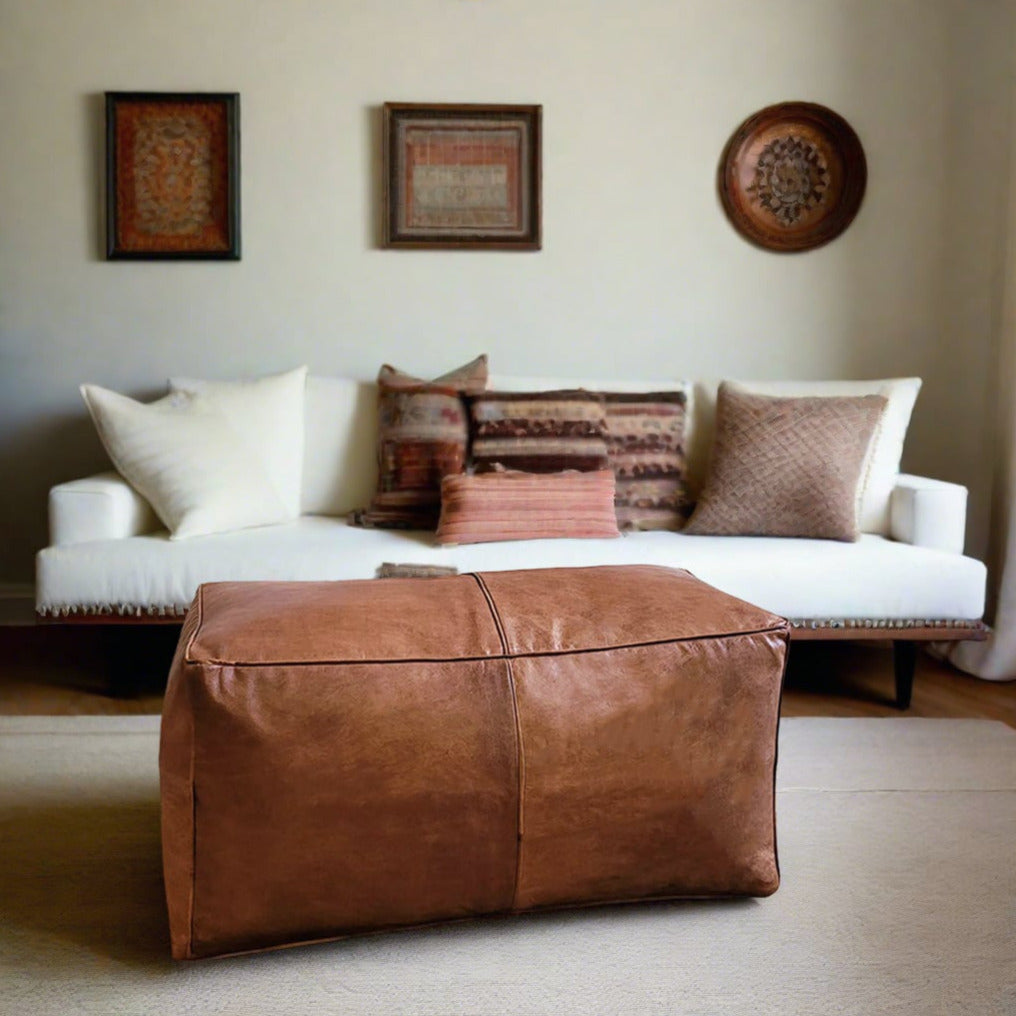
{"type": "Point", "coordinates": [995, 659]}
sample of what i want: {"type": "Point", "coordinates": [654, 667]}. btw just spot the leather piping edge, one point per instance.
{"type": "Point", "coordinates": [507, 654]}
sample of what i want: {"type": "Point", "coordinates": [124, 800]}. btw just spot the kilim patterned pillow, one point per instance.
{"type": "Point", "coordinates": [786, 466]}
{"type": "Point", "coordinates": [423, 434]}
{"type": "Point", "coordinates": [538, 432]}
{"type": "Point", "coordinates": [645, 446]}
{"type": "Point", "coordinates": [527, 506]}
{"type": "Point", "coordinates": [469, 379]}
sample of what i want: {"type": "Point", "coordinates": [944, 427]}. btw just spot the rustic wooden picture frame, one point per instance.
{"type": "Point", "coordinates": [792, 176]}
{"type": "Point", "coordinates": [462, 176]}
{"type": "Point", "coordinates": [173, 175]}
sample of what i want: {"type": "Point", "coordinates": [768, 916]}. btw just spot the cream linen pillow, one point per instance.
{"type": "Point", "coordinates": [199, 476]}
{"type": "Point", "coordinates": [268, 415]}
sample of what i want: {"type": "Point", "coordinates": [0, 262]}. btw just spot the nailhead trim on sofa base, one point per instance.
{"type": "Point", "coordinates": [801, 628]}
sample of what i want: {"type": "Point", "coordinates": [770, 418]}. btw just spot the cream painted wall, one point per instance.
{"type": "Point", "coordinates": [640, 272]}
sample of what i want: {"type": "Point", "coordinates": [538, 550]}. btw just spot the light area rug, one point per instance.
{"type": "Point", "coordinates": [897, 842]}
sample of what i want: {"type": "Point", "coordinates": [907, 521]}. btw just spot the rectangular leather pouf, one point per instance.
{"type": "Point", "coordinates": [341, 757]}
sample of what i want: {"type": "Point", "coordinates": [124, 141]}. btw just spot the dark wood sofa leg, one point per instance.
{"type": "Point", "coordinates": [138, 658]}
{"type": "Point", "coordinates": [120, 652]}
{"type": "Point", "coordinates": [904, 664]}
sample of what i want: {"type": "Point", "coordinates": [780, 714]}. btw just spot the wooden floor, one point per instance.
{"type": "Point", "coordinates": [64, 671]}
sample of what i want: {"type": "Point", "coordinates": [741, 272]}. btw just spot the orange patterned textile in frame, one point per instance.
{"type": "Point", "coordinates": [172, 175]}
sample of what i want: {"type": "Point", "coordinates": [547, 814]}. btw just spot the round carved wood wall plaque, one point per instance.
{"type": "Point", "coordinates": [792, 176]}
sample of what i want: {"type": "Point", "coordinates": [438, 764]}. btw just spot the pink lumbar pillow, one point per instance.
{"type": "Point", "coordinates": [512, 505]}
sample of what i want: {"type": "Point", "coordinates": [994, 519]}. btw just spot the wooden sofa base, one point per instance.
{"type": "Point", "coordinates": [124, 656]}
{"type": "Point", "coordinates": [904, 640]}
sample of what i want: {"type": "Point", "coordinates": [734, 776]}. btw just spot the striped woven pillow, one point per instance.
{"type": "Point", "coordinates": [645, 444]}
{"type": "Point", "coordinates": [538, 432]}
{"type": "Point", "coordinates": [527, 506]}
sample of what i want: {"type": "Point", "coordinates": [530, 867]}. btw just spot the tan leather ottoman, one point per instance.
{"type": "Point", "coordinates": [348, 756]}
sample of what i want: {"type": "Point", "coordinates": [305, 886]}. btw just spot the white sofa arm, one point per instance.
{"type": "Point", "coordinates": [929, 513]}
{"type": "Point", "coordinates": [101, 507]}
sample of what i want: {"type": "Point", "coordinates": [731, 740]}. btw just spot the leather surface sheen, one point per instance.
{"type": "Point", "coordinates": [344, 757]}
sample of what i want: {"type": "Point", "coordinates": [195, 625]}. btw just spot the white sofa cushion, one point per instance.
{"type": "Point", "coordinates": [185, 459]}
{"type": "Point", "coordinates": [340, 450]}
{"type": "Point", "coordinates": [268, 414]}
{"type": "Point", "coordinates": [817, 579]}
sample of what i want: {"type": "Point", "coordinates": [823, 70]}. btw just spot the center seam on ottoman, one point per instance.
{"type": "Point", "coordinates": [520, 753]}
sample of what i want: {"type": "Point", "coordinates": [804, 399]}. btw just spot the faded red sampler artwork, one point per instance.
{"type": "Point", "coordinates": [463, 178]}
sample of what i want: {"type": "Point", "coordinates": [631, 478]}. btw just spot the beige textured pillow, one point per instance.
{"type": "Point", "coordinates": [786, 466]}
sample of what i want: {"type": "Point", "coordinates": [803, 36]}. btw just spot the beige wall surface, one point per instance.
{"type": "Point", "coordinates": [640, 273]}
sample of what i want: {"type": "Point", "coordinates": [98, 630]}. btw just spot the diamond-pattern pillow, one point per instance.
{"type": "Point", "coordinates": [786, 466]}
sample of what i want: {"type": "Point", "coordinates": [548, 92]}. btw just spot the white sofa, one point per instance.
{"type": "Point", "coordinates": [108, 555]}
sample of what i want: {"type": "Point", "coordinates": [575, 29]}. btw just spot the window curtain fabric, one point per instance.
{"type": "Point", "coordinates": [995, 659]}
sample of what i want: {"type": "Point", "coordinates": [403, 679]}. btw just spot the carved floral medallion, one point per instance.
{"type": "Point", "coordinates": [791, 178]}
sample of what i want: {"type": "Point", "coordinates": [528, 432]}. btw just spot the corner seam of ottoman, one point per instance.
{"type": "Point", "coordinates": [193, 888]}
{"type": "Point", "coordinates": [199, 607]}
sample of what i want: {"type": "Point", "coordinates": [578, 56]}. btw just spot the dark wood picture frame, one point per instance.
{"type": "Point", "coordinates": [462, 176]}
{"type": "Point", "coordinates": [173, 176]}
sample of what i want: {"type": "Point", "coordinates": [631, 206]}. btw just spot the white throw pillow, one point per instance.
{"type": "Point", "coordinates": [268, 415]}
{"type": "Point", "coordinates": [882, 464]}
{"type": "Point", "coordinates": [198, 474]}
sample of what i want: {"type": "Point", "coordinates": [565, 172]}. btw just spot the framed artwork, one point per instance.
{"type": "Point", "coordinates": [173, 175]}
{"type": "Point", "coordinates": [462, 176]}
